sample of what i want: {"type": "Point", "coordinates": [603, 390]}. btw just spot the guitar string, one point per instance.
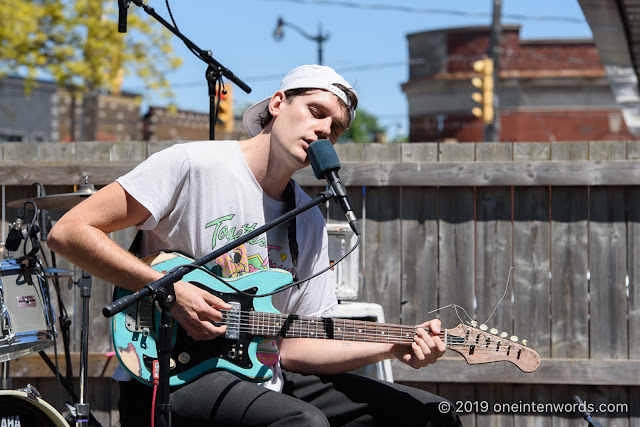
{"type": "Point", "coordinates": [506, 288]}
{"type": "Point", "coordinates": [506, 349]}
{"type": "Point", "coordinates": [469, 322]}
{"type": "Point", "coordinates": [392, 333]}
{"type": "Point", "coordinates": [389, 333]}
{"type": "Point", "coordinates": [362, 328]}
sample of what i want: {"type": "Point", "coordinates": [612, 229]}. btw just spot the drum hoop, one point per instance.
{"type": "Point", "coordinates": [39, 403]}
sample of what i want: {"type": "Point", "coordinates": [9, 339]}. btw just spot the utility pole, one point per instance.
{"type": "Point", "coordinates": [492, 129]}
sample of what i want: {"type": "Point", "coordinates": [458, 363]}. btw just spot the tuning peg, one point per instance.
{"type": "Point", "coordinates": [474, 323]}
{"type": "Point", "coordinates": [494, 331]}
{"type": "Point", "coordinates": [504, 335]}
{"type": "Point", "coordinates": [513, 338]}
{"type": "Point", "coordinates": [484, 327]}
{"type": "Point", "coordinates": [525, 342]}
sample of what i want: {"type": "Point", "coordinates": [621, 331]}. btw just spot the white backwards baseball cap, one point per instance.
{"type": "Point", "coordinates": [303, 77]}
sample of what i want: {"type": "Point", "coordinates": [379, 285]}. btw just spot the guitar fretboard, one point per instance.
{"type": "Point", "coordinates": [295, 326]}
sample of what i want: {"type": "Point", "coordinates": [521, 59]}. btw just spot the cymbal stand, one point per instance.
{"type": "Point", "coordinates": [82, 407]}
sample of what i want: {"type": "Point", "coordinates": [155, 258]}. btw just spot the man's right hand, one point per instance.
{"type": "Point", "coordinates": [196, 308]}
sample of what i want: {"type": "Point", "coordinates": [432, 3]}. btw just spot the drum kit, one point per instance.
{"type": "Point", "coordinates": [27, 318]}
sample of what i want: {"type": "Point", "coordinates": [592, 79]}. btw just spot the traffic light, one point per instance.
{"type": "Point", "coordinates": [485, 83]}
{"type": "Point", "coordinates": [225, 120]}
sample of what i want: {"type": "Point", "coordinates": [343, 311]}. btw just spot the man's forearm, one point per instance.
{"type": "Point", "coordinates": [316, 356]}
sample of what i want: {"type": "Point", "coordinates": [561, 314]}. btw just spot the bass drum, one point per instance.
{"type": "Point", "coordinates": [18, 408]}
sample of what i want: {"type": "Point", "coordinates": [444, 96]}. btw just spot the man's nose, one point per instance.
{"type": "Point", "coordinates": [323, 129]}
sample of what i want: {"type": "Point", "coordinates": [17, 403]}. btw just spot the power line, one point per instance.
{"type": "Point", "coordinates": [432, 11]}
{"type": "Point", "coordinates": [277, 77]}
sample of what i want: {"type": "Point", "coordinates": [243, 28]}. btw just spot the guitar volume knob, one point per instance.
{"type": "Point", "coordinates": [184, 357]}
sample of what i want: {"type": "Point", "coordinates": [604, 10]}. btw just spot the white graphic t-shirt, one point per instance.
{"type": "Point", "coordinates": [201, 196]}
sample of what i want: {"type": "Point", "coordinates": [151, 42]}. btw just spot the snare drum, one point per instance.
{"type": "Point", "coordinates": [26, 324]}
{"type": "Point", "coordinates": [18, 408]}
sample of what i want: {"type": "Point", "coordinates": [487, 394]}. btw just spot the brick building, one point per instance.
{"type": "Point", "coordinates": [163, 124]}
{"type": "Point", "coordinates": [549, 90]}
{"type": "Point", "coordinates": [46, 113]}
{"type": "Point", "coordinates": [118, 118]}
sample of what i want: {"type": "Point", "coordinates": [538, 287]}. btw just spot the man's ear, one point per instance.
{"type": "Point", "coordinates": [276, 102]}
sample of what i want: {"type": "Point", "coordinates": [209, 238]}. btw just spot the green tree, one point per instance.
{"type": "Point", "coordinates": [78, 44]}
{"type": "Point", "coordinates": [365, 128]}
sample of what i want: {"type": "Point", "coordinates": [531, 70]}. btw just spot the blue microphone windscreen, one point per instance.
{"type": "Point", "coordinates": [323, 157]}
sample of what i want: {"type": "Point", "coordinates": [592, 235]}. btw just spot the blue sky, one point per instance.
{"type": "Point", "coordinates": [367, 45]}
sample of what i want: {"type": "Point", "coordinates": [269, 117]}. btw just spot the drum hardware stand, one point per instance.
{"type": "Point", "coordinates": [6, 378]}
{"type": "Point", "coordinates": [82, 407]}
{"type": "Point", "coordinates": [69, 387]}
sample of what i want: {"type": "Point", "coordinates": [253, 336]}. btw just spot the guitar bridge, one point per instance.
{"type": "Point", "coordinates": [232, 319]}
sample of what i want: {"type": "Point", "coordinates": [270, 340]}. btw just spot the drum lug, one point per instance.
{"type": "Point", "coordinates": [32, 392]}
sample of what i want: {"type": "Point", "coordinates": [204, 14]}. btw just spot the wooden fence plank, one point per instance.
{"type": "Point", "coordinates": [383, 241]}
{"type": "Point", "coordinates": [633, 264]}
{"type": "Point", "coordinates": [530, 278]}
{"type": "Point", "coordinates": [482, 174]}
{"type": "Point", "coordinates": [607, 284]}
{"type": "Point", "coordinates": [456, 259]}
{"type": "Point", "coordinates": [388, 173]}
{"type": "Point", "coordinates": [493, 240]}
{"type": "Point", "coordinates": [419, 254]}
{"type": "Point", "coordinates": [557, 371]}
{"type": "Point", "coordinates": [569, 265]}
{"type": "Point", "coordinates": [608, 268]}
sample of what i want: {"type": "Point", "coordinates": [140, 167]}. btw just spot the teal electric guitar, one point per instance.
{"type": "Point", "coordinates": [251, 320]}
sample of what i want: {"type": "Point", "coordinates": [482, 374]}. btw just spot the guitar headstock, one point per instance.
{"type": "Point", "coordinates": [479, 346]}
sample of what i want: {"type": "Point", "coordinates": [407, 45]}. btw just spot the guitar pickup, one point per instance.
{"type": "Point", "coordinates": [232, 319]}
{"type": "Point", "coordinates": [138, 318]}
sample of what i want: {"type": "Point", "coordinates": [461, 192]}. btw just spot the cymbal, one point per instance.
{"type": "Point", "coordinates": [56, 201]}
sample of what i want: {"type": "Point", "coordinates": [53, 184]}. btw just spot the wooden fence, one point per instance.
{"type": "Point", "coordinates": [444, 224]}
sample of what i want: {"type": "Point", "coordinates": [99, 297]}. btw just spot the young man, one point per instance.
{"type": "Point", "coordinates": [196, 197]}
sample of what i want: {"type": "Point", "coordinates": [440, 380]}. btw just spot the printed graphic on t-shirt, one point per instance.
{"type": "Point", "coordinates": [267, 352]}
{"type": "Point", "coordinates": [247, 258]}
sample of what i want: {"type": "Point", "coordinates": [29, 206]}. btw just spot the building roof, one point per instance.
{"type": "Point", "coordinates": [616, 31]}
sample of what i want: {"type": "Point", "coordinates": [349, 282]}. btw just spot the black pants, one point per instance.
{"type": "Point", "coordinates": [222, 399]}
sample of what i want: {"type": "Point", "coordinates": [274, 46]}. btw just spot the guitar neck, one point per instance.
{"type": "Point", "coordinates": [295, 326]}
{"type": "Point", "coordinates": [475, 345]}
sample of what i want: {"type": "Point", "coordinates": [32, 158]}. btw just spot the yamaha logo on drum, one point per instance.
{"type": "Point", "coordinates": [10, 421]}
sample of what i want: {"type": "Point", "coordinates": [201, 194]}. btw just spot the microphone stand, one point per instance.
{"type": "Point", "coordinates": [163, 290]}
{"type": "Point", "coordinates": [215, 70]}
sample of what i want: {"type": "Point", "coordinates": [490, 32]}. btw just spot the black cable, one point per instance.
{"type": "Point", "coordinates": [176, 26]}
{"type": "Point", "coordinates": [35, 247]}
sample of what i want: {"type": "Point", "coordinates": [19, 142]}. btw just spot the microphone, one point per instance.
{"type": "Point", "coordinates": [123, 5]}
{"type": "Point", "coordinates": [12, 243]}
{"type": "Point", "coordinates": [325, 164]}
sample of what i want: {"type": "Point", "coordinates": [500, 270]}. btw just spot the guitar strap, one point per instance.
{"type": "Point", "coordinates": [290, 199]}
{"type": "Point", "coordinates": [135, 245]}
